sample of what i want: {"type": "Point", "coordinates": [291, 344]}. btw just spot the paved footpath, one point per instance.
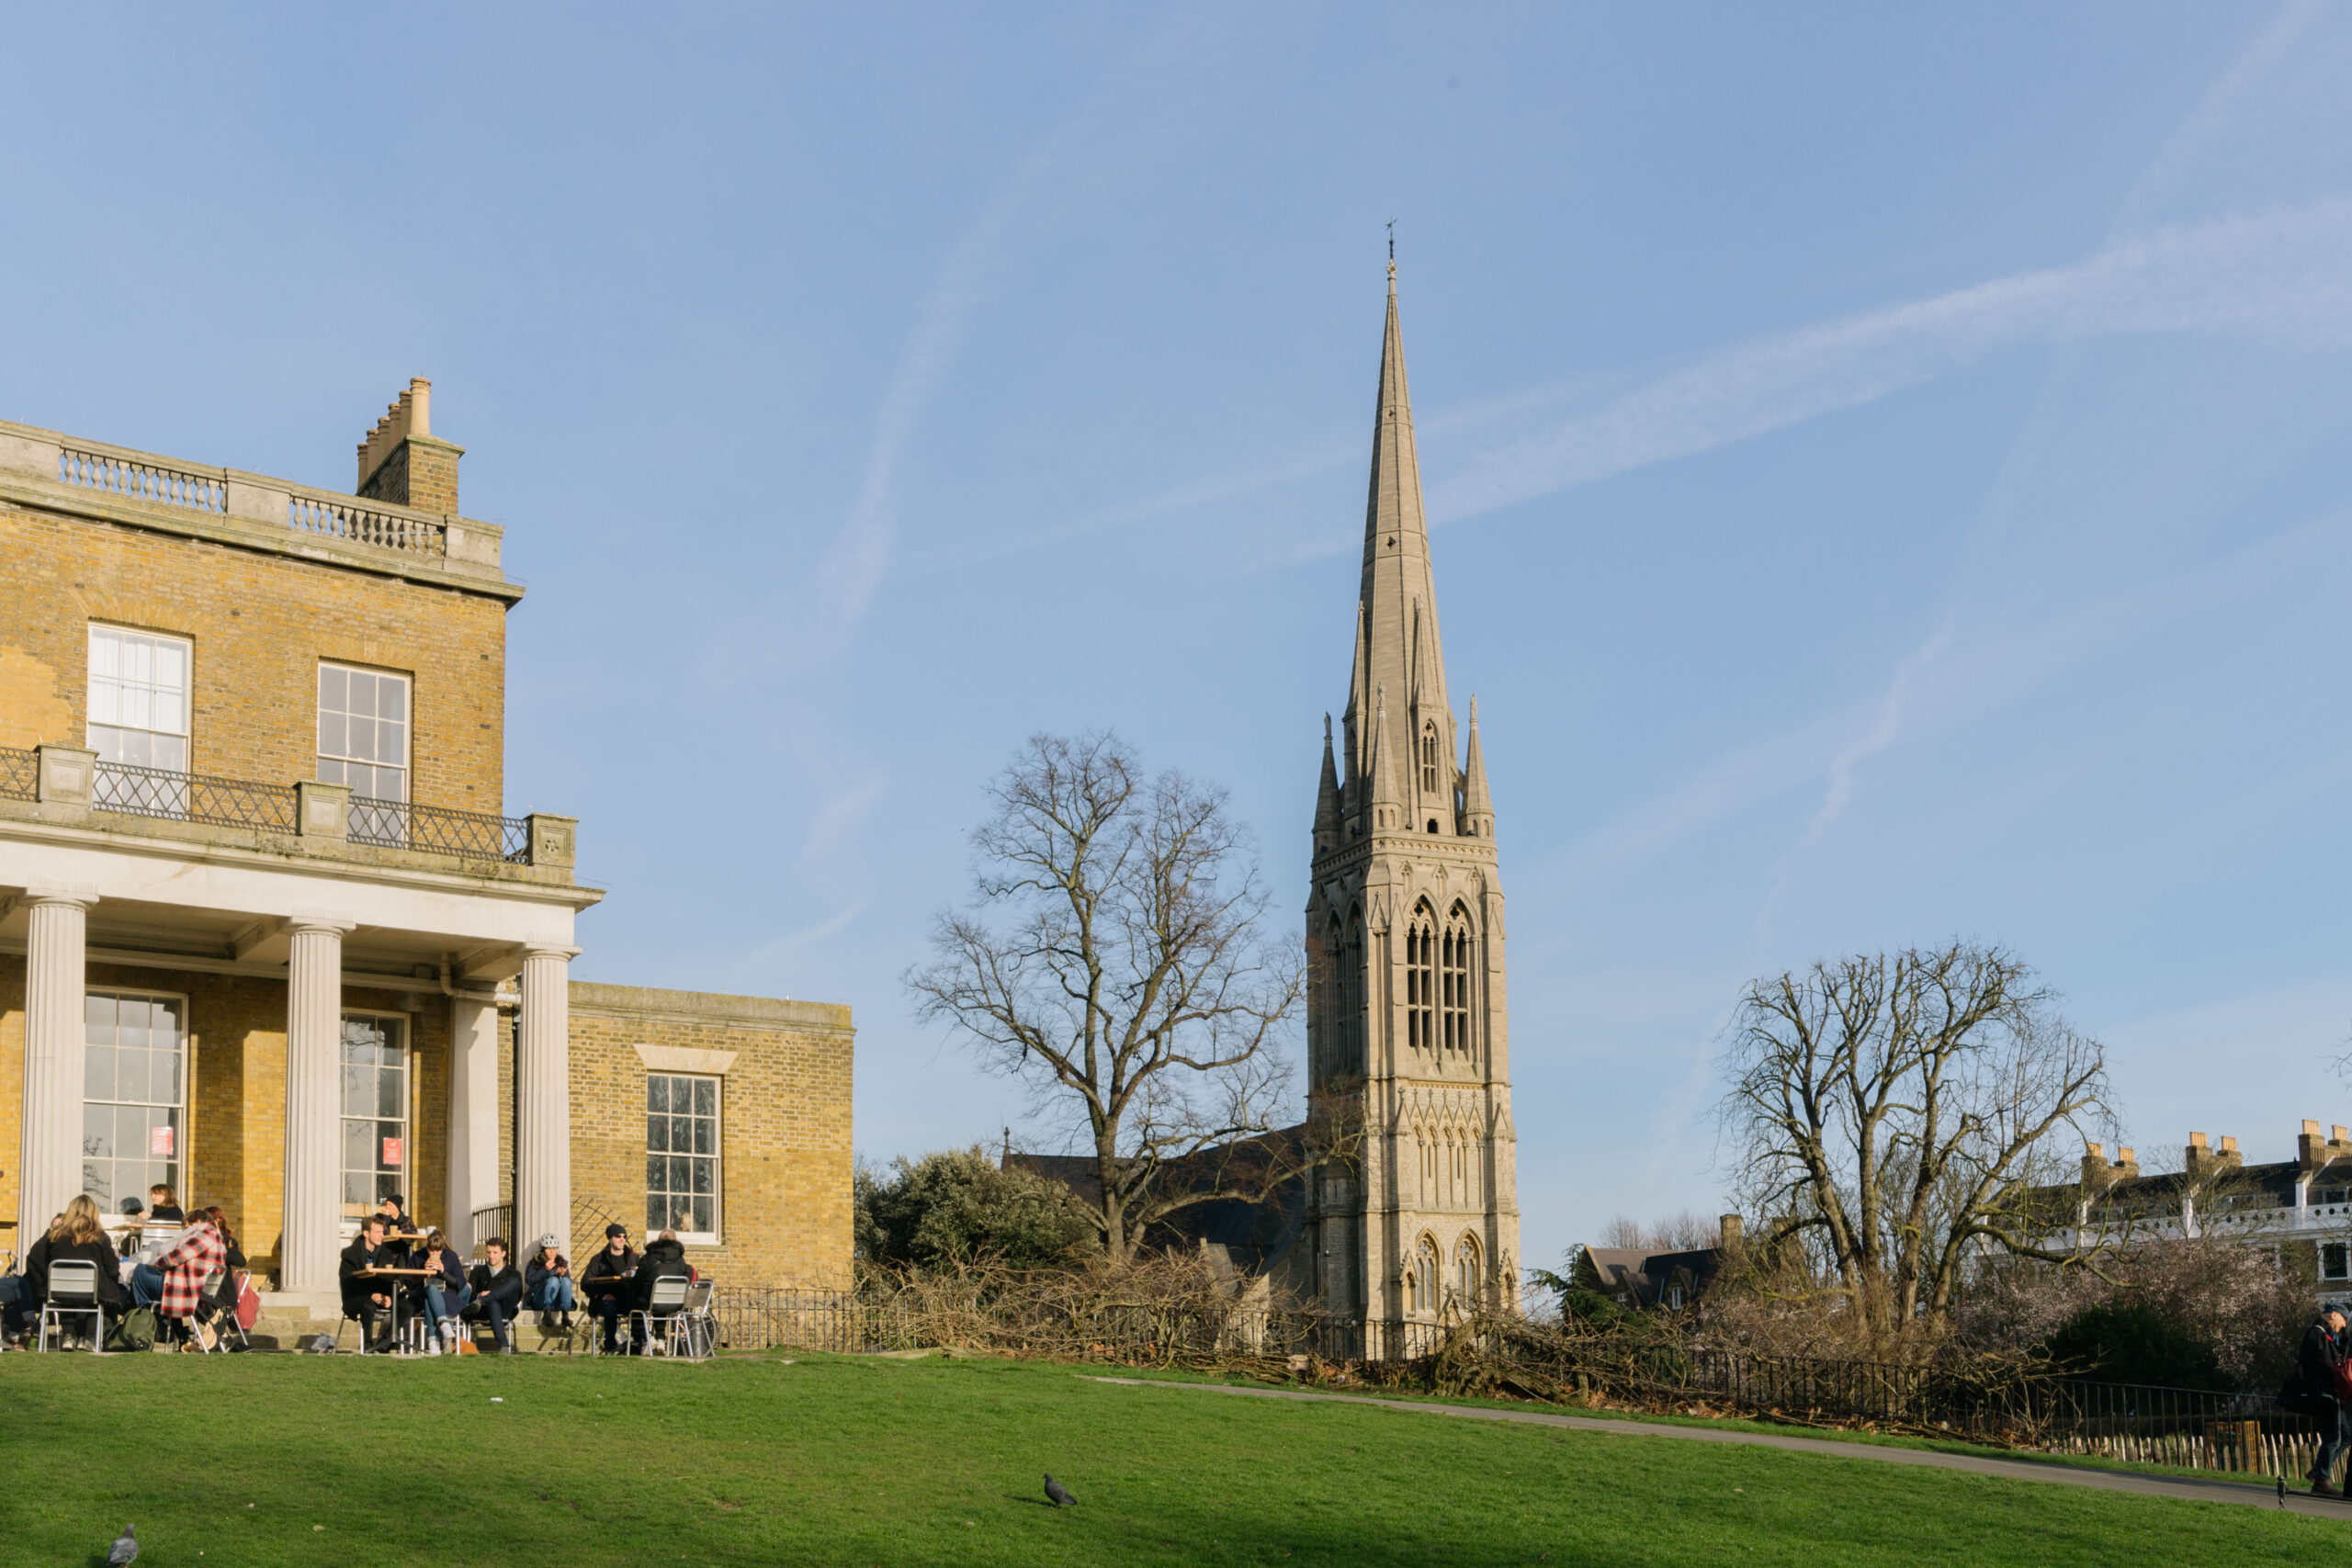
{"type": "Point", "coordinates": [2257, 1494]}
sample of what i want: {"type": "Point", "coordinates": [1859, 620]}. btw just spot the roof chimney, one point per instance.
{"type": "Point", "coordinates": [2097, 1172]}
{"type": "Point", "coordinates": [401, 461]}
{"type": "Point", "coordinates": [2126, 1162]}
{"type": "Point", "coordinates": [1730, 1234]}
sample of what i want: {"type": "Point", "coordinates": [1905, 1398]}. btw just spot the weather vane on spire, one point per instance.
{"type": "Point", "coordinates": [1392, 255]}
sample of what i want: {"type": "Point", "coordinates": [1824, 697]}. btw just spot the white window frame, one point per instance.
{"type": "Point", "coordinates": [183, 1141]}
{"type": "Point", "coordinates": [347, 1225]}
{"type": "Point", "coordinates": [716, 1156]}
{"type": "Point", "coordinates": [339, 763]}
{"type": "Point", "coordinates": [128, 638]}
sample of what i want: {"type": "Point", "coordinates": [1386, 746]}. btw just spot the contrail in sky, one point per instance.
{"type": "Point", "coordinates": [2283, 274]}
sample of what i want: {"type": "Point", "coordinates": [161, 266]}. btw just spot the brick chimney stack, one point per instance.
{"type": "Point", "coordinates": [1730, 1234]}
{"type": "Point", "coordinates": [2126, 1164]}
{"type": "Point", "coordinates": [401, 461]}
{"type": "Point", "coordinates": [2097, 1172]}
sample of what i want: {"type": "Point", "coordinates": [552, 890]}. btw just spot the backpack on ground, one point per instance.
{"type": "Point", "coordinates": [134, 1330]}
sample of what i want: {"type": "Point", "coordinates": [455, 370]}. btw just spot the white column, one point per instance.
{"type": "Point", "coordinates": [50, 1167]}
{"type": "Point", "coordinates": [543, 1100]}
{"type": "Point", "coordinates": [307, 1248]}
{"type": "Point", "coordinates": [473, 1114]}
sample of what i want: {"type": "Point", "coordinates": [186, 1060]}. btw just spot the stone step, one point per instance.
{"type": "Point", "coordinates": [292, 1331]}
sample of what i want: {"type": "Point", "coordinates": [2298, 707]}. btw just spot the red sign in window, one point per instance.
{"type": "Point", "coordinates": [392, 1151]}
{"type": "Point", "coordinates": [159, 1141]}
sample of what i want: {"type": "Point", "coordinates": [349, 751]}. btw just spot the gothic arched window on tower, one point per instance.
{"type": "Point", "coordinates": [1429, 758]}
{"type": "Point", "coordinates": [1465, 1273]}
{"type": "Point", "coordinates": [1457, 982]}
{"type": "Point", "coordinates": [1425, 1277]}
{"type": "Point", "coordinates": [1420, 981]}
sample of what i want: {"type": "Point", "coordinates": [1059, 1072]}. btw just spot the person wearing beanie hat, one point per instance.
{"type": "Point", "coordinates": [606, 1283]}
{"type": "Point", "coordinates": [546, 1284]}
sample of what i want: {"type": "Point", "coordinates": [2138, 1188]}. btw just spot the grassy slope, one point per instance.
{"type": "Point", "coordinates": [863, 1461]}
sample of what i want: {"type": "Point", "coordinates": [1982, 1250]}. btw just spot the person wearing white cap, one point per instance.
{"type": "Point", "coordinates": [547, 1284]}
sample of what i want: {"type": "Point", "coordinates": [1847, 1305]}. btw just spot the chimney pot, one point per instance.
{"type": "Point", "coordinates": [2228, 1146]}
{"type": "Point", "coordinates": [2338, 1134]}
{"type": "Point", "coordinates": [2196, 1140]}
{"type": "Point", "coordinates": [2124, 1154]}
{"type": "Point", "coordinates": [2311, 1129]}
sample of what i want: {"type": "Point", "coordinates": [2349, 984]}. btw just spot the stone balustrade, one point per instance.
{"type": "Point", "coordinates": [243, 502]}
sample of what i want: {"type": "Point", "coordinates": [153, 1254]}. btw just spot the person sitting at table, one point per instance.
{"type": "Point", "coordinates": [363, 1298]}
{"type": "Point", "coordinates": [547, 1284]}
{"type": "Point", "coordinates": [497, 1292]}
{"type": "Point", "coordinates": [224, 1298]}
{"type": "Point", "coordinates": [446, 1289]}
{"type": "Point", "coordinates": [163, 1207]}
{"type": "Point", "coordinates": [606, 1284]}
{"type": "Point", "coordinates": [184, 1268]}
{"type": "Point", "coordinates": [77, 1234]}
{"type": "Point", "coordinates": [665, 1258]}
{"type": "Point", "coordinates": [131, 1210]}
{"type": "Point", "coordinates": [400, 1231]}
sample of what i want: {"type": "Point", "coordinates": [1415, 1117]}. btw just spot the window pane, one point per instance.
{"type": "Point", "coordinates": [657, 1134]}
{"type": "Point", "coordinates": [702, 1126]}
{"type": "Point", "coordinates": [657, 1093]}
{"type": "Point", "coordinates": [358, 1187]}
{"type": "Point", "coordinates": [682, 1173]}
{"type": "Point", "coordinates": [334, 688]}
{"type": "Point", "coordinates": [105, 703]}
{"type": "Point", "coordinates": [138, 661]}
{"type": "Point", "coordinates": [97, 1073]}
{"type": "Point", "coordinates": [391, 742]}
{"type": "Point", "coordinates": [171, 666]}
{"type": "Point", "coordinates": [657, 1170]}
{"type": "Point", "coordinates": [704, 1210]}
{"type": "Point", "coordinates": [333, 733]}
{"type": "Point", "coordinates": [388, 1091]}
{"type": "Point", "coordinates": [705, 1097]}
{"type": "Point", "coordinates": [97, 1018]}
{"type": "Point", "coordinates": [130, 1075]}
{"type": "Point", "coordinates": [97, 1132]}
{"type": "Point", "coordinates": [654, 1209]}
{"type": "Point", "coordinates": [171, 711]}
{"type": "Point", "coordinates": [702, 1169]}
{"type": "Point", "coordinates": [391, 698]}
{"type": "Point", "coordinates": [361, 742]}
{"type": "Point", "coordinates": [138, 707]}
{"type": "Point", "coordinates": [106, 652]}
{"type": "Point", "coordinates": [358, 1089]}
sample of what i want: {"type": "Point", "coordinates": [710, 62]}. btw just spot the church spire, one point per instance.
{"type": "Point", "coordinates": [1397, 644]}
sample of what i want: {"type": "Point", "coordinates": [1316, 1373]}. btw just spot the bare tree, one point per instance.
{"type": "Point", "coordinates": [1901, 1116]}
{"type": "Point", "coordinates": [1111, 959]}
{"type": "Point", "coordinates": [1685, 1232]}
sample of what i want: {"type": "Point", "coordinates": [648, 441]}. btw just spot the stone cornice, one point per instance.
{"type": "Point", "coordinates": [327, 859]}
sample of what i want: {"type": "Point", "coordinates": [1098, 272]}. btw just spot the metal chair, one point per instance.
{"type": "Point", "coordinates": [665, 1302]}
{"type": "Point", "coordinates": [74, 1293]}
{"type": "Point", "coordinates": [693, 1332]}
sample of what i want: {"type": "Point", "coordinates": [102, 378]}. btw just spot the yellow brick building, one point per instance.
{"type": "Point", "coordinates": [265, 932]}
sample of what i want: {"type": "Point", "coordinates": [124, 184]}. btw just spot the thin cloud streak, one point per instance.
{"type": "Point", "coordinates": [2281, 275]}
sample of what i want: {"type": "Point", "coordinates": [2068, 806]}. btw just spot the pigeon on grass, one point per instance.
{"type": "Point", "coordinates": [125, 1550]}
{"type": "Point", "coordinates": [1058, 1495]}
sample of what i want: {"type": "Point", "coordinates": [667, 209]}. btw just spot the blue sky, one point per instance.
{"type": "Point", "coordinates": [1893, 466]}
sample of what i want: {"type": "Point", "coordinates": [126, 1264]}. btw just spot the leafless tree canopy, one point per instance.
{"type": "Point", "coordinates": [1111, 958]}
{"type": "Point", "coordinates": [1892, 1114]}
{"type": "Point", "coordinates": [1685, 1232]}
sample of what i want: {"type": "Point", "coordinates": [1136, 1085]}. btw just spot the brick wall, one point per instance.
{"type": "Point", "coordinates": [783, 1125]}
{"type": "Point", "coordinates": [259, 624]}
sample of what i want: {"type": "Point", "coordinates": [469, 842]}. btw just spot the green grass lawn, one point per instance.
{"type": "Point", "coordinates": [547, 1463]}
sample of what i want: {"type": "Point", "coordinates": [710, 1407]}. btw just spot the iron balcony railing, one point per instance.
{"type": "Point", "coordinates": [471, 835]}
{"type": "Point", "coordinates": [172, 796]}
{"type": "Point", "coordinates": [192, 798]}
{"type": "Point", "coordinates": [19, 774]}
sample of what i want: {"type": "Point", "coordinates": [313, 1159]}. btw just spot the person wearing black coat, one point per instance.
{"type": "Point", "coordinates": [366, 1299]}
{"type": "Point", "coordinates": [608, 1284]}
{"type": "Point", "coordinates": [497, 1294]}
{"type": "Point", "coordinates": [2322, 1352]}
{"type": "Point", "coordinates": [76, 1236]}
{"type": "Point", "coordinates": [665, 1258]}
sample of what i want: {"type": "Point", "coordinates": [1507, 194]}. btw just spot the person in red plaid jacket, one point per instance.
{"type": "Point", "coordinates": [186, 1266]}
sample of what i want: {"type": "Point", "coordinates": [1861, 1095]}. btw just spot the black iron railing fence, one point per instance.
{"type": "Point", "coordinates": [19, 774]}
{"type": "Point", "coordinates": [192, 798]}
{"type": "Point", "coordinates": [756, 1319]}
{"type": "Point", "coordinates": [241, 803]}
{"type": "Point", "coordinates": [471, 835]}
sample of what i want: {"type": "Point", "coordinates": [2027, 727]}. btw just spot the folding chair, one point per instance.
{"type": "Point", "coordinates": [74, 1293]}
{"type": "Point", "coordinates": [194, 1326]}
{"type": "Point", "coordinates": [666, 1301]}
{"type": "Point", "coordinates": [693, 1332]}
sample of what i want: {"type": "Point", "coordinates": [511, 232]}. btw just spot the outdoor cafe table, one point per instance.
{"type": "Point", "coordinates": [381, 1272]}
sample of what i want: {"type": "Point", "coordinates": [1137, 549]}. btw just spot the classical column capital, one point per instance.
{"type": "Point", "coordinates": [79, 897]}
{"type": "Point", "coordinates": [300, 923]}
{"type": "Point", "coordinates": [566, 953]}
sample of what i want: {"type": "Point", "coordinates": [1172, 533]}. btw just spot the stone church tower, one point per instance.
{"type": "Point", "coordinates": [1406, 1031]}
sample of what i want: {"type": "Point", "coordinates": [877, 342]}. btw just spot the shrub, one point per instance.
{"type": "Point", "coordinates": [956, 1207]}
{"type": "Point", "coordinates": [2131, 1341]}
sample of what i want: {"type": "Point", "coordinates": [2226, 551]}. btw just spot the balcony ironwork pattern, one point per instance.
{"type": "Point", "coordinates": [19, 774]}
{"type": "Point", "coordinates": [192, 798]}
{"type": "Point", "coordinates": [471, 835]}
